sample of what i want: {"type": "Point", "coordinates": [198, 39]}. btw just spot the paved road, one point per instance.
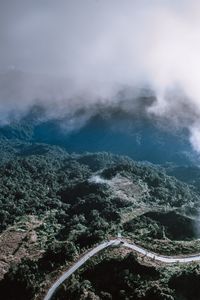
{"type": "Point", "coordinates": [123, 243]}
{"type": "Point", "coordinates": [78, 265]}
{"type": "Point", "coordinates": [162, 258]}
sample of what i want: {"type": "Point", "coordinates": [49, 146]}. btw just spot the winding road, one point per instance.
{"type": "Point", "coordinates": [123, 243]}
{"type": "Point", "coordinates": [78, 264]}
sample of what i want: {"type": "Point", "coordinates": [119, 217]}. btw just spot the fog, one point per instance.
{"type": "Point", "coordinates": [78, 54]}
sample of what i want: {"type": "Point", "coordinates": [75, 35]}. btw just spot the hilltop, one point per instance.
{"type": "Point", "coordinates": [55, 205]}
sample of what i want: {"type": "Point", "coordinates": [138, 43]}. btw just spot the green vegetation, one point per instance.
{"type": "Point", "coordinates": [172, 233]}
{"type": "Point", "coordinates": [23, 280]}
{"type": "Point", "coordinates": [121, 276]}
{"type": "Point", "coordinates": [79, 201]}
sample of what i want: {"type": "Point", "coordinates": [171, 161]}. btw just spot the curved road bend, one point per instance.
{"type": "Point", "coordinates": [77, 265]}
{"type": "Point", "coordinates": [161, 258]}
{"type": "Point", "coordinates": [138, 249]}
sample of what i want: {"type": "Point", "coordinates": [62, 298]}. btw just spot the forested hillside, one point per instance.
{"type": "Point", "coordinates": [54, 205]}
{"type": "Point", "coordinates": [111, 128]}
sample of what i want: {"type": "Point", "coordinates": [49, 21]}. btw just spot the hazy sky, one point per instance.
{"type": "Point", "coordinates": [101, 44]}
{"type": "Point", "coordinates": [97, 38]}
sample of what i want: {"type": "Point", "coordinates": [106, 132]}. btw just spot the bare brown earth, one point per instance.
{"type": "Point", "coordinates": [19, 241]}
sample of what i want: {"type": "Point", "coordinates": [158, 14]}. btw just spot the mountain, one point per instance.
{"type": "Point", "coordinates": [54, 206]}
{"type": "Point", "coordinates": [119, 134]}
{"type": "Point", "coordinates": [121, 125]}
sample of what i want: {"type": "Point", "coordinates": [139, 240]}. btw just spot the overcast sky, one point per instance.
{"type": "Point", "coordinates": [123, 41]}
{"type": "Point", "coordinates": [103, 43]}
{"type": "Point", "coordinates": [70, 36]}
{"type": "Point", "coordinates": [105, 40]}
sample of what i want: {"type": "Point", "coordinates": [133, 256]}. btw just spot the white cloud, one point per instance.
{"type": "Point", "coordinates": [101, 45]}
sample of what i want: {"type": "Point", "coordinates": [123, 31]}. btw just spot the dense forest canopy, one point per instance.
{"type": "Point", "coordinates": [55, 205]}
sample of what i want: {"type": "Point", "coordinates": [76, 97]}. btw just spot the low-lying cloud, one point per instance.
{"type": "Point", "coordinates": [92, 49]}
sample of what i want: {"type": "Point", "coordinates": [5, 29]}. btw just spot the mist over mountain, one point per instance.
{"type": "Point", "coordinates": [99, 147]}
{"type": "Point", "coordinates": [112, 129]}
{"type": "Point", "coordinates": [91, 50]}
